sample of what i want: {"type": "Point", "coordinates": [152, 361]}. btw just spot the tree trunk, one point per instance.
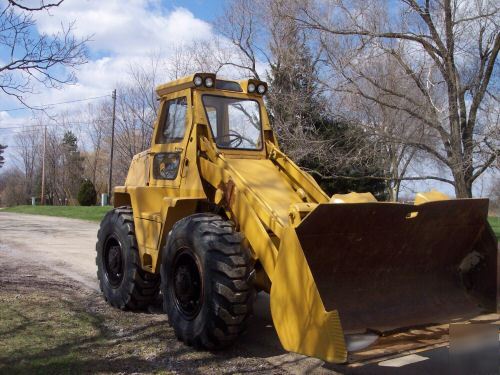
{"type": "Point", "coordinates": [463, 186]}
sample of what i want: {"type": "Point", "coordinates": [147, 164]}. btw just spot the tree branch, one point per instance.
{"type": "Point", "coordinates": [31, 9]}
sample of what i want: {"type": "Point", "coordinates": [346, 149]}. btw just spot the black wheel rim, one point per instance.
{"type": "Point", "coordinates": [113, 261]}
{"type": "Point", "coordinates": [186, 284]}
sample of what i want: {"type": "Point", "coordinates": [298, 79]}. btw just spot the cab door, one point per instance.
{"type": "Point", "coordinates": [170, 141]}
{"type": "Point", "coordinates": [166, 161]}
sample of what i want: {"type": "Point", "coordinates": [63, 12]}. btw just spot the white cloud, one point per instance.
{"type": "Point", "coordinates": [122, 33]}
{"type": "Point", "coordinates": [126, 28]}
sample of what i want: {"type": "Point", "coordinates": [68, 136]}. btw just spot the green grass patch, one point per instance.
{"type": "Point", "coordinates": [495, 225]}
{"type": "Point", "coordinates": [40, 334]}
{"type": "Point", "coordinates": [92, 213]}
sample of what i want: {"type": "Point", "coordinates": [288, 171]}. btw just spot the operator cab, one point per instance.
{"type": "Point", "coordinates": [230, 114]}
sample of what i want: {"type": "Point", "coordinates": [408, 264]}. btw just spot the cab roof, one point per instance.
{"type": "Point", "coordinates": [188, 82]}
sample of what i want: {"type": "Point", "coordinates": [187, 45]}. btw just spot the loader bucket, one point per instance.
{"type": "Point", "coordinates": [383, 266]}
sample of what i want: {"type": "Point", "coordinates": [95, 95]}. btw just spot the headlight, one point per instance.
{"type": "Point", "coordinates": [261, 89]}
{"type": "Point", "coordinates": [209, 82]}
{"type": "Point", "coordinates": [198, 81]}
{"type": "Point", "coordinates": [251, 87]}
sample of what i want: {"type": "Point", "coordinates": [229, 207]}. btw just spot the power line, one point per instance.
{"type": "Point", "coordinates": [41, 125]}
{"type": "Point", "coordinates": [112, 144]}
{"type": "Point", "coordinates": [45, 106]}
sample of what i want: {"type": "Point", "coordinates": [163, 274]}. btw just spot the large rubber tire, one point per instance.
{"type": "Point", "coordinates": [122, 281]}
{"type": "Point", "coordinates": [224, 267]}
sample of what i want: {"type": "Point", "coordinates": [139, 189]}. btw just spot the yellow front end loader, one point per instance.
{"type": "Point", "coordinates": [214, 212]}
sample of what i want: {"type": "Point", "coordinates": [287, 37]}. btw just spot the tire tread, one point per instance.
{"type": "Point", "coordinates": [143, 288]}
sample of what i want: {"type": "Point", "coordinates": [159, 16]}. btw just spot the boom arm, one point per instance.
{"type": "Point", "coordinates": [301, 321]}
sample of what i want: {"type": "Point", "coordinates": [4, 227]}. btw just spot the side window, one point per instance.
{"type": "Point", "coordinates": [174, 125]}
{"type": "Point", "coordinates": [212, 118]}
{"type": "Point", "coordinates": [166, 165]}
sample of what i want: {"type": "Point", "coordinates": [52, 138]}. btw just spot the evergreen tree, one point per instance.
{"type": "Point", "coordinates": [87, 196]}
{"type": "Point", "coordinates": [344, 177]}
{"type": "Point", "coordinates": [303, 123]}
{"type": "Point", "coordinates": [72, 164]}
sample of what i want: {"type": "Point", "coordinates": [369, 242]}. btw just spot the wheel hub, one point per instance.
{"type": "Point", "coordinates": [187, 284]}
{"type": "Point", "coordinates": [113, 262]}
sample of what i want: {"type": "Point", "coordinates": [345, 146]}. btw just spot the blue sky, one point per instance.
{"type": "Point", "coordinates": [206, 10]}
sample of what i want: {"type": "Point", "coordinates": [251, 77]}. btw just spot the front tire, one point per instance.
{"type": "Point", "coordinates": [122, 281]}
{"type": "Point", "coordinates": [207, 281]}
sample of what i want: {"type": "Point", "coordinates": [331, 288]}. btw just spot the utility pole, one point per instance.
{"type": "Point", "coordinates": [112, 145]}
{"type": "Point", "coordinates": [42, 198]}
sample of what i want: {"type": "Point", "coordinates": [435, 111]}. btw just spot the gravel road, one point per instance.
{"type": "Point", "coordinates": [64, 245]}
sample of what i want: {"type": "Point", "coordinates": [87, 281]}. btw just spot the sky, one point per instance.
{"type": "Point", "coordinates": [122, 33]}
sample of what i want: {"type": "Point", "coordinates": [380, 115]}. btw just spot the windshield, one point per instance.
{"type": "Point", "coordinates": [235, 122]}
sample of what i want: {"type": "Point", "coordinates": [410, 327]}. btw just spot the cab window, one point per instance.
{"type": "Point", "coordinates": [235, 122]}
{"type": "Point", "coordinates": [174, 123]}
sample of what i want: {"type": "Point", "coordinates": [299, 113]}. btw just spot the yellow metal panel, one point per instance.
{"type": "Point", "coordinates": [174, 86]}
{"type": "Point", "coordinates": [430, 196]}
{"type": "Point", "coordinates": [353, 198]}
{"type": "Point", "coordinates": [264, 179]}
{"type": "Point", "coordinates": [148, 234]}
{"type": "Point", "coordinates": [138, 173]}
{"type": "Point", "coordinates": [255, 233]}
{"type": "Point", "coordinates": [221, 173]}
{"type": "Point", "coordinates": [301, 321]}
{"type": "Point", "coordinates": [245, 216]}
{"type": "Point", "coordinates": [299, 178]}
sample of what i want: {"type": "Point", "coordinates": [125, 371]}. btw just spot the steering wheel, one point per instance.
{"type": "Point", "coordinates": [233, 139]}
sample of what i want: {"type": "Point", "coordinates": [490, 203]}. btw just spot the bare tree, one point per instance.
{"type": "Point", "coordinates": [28, 150]}
{"type": "Point", "coordinates": [266, 34]}
{"type": "Point", "coordinates": [31, 58]}
{"type": "Point", "coordinates": [390, 129]}
{"type": "Point", "coordinates": [244, 25]}
{"type": "Point", "coordinates": [11, 179]}
{"type": "Point", "coordinates": [96, 155]}
{"type": "Point", "coordinates": [447, 50]}
{"type": "Point", "coordinates": [2, 159]}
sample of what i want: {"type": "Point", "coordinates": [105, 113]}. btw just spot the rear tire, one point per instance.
{"type": "Point", "coordinates": [122, 281]}
{"type": "Point", "coordinates": [207, 284]}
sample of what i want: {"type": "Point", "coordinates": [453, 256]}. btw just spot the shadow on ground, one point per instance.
{"type": "Point", "coordinates": [52, 325]}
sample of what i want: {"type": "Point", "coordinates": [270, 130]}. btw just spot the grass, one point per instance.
{"type": "Point", "coordinates": [50, 326]}
{"type": "Point", "coordinates": [33, 325]}
{"type": "Point", "coordinates": [495, 225]}
{"type": "Point", "coordinates": [92, 213]}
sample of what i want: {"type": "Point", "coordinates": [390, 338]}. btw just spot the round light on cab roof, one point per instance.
{"type": "Point", "coordinates": [198, 81]}
{"type": "Point", "coordinates": [261, 89]}
{"type": "Point", "coordinates": [251, 87]}
{"type": "Point", "coordinates": [209, 82]}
